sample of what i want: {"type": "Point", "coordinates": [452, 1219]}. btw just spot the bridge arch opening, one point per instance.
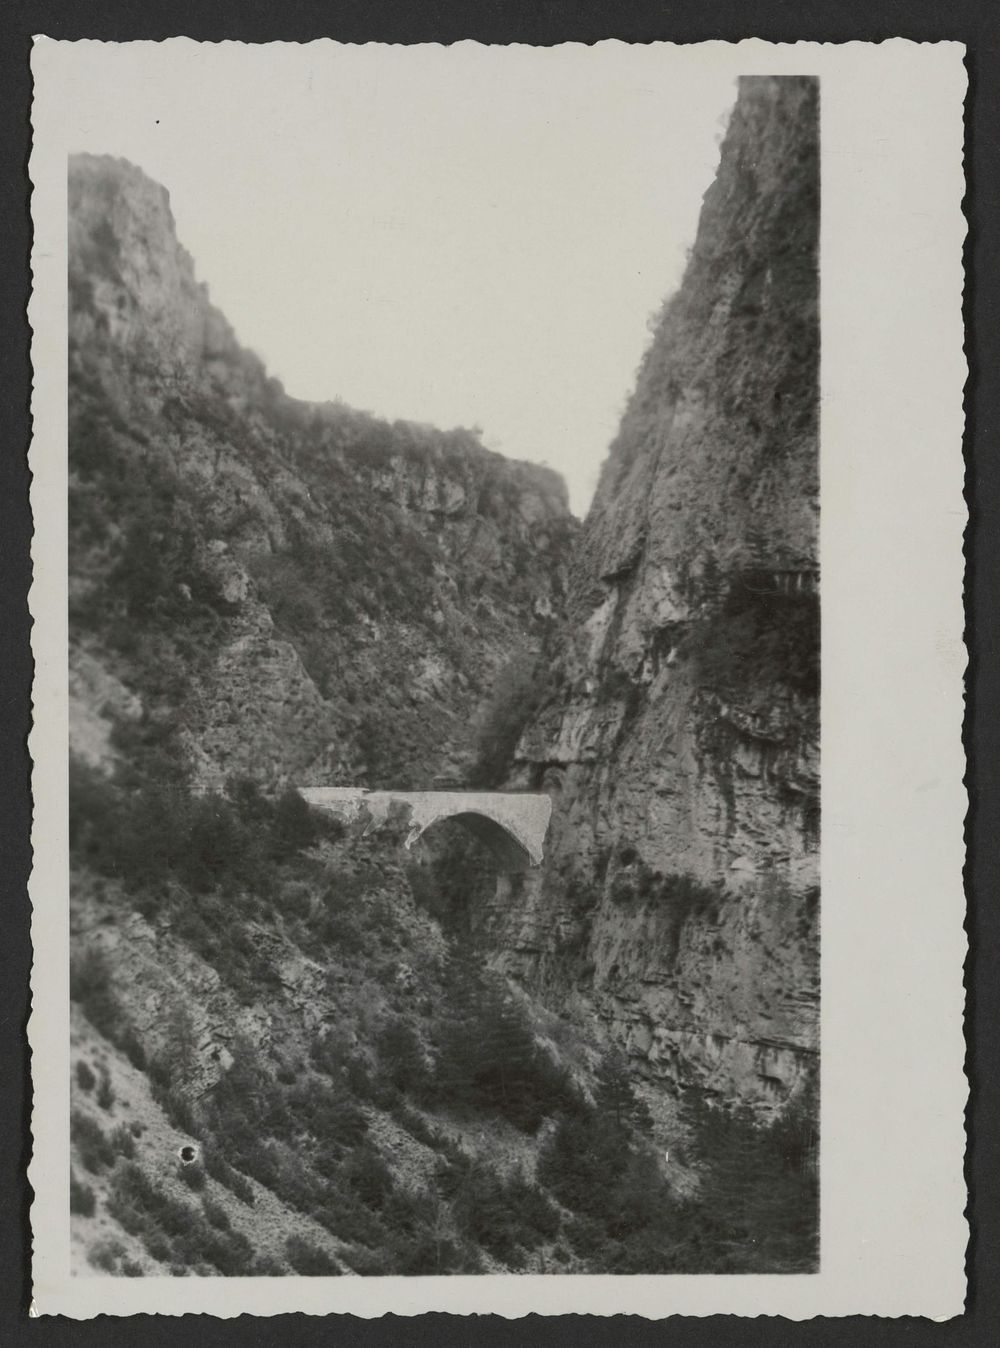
{"type": "Point", "coordinates": [509, 853]}
{"type": "Point", "coordinates": [512, 824]}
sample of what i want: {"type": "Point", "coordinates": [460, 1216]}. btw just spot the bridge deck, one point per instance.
{"type": "Point", "coordinates": [521, 820]}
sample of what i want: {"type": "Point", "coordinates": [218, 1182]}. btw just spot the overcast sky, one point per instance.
{"type": "Point", "coordinates": [463, 236]}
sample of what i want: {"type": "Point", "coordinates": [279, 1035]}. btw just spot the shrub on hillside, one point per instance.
{"type": "Point", "coordinates": [507, 1217]}
{"type": "Point", "coordinates": [676, 899]}
{"type": "Point", "coordinates": [418, 1127]}
{"type": "Point", "coordinates": [104, 1254]}
{"type": "Point", "coordinates": [600, 1166]}
{"type": "Point", "coordinates": [518, 692]}
{"type": "Point", "coordinates": [215, 1213]}
{"type": "Point", "coordinates": [488, 1059]}
{"type": "Point", "coordinates": [583, 1162]}
{"type": "Point", "coordinates": [420, 1239]}
{"type": "Point", "coordinates": [759, 1195]}
{"type": "Point", "coordinates": [308, 1260]}
{"type": "Point", "coordinates": [161, 1221]}
{"type": "Point", "coordinates": [346, 1217]}
{"type": "Point", "coordinates": [90, 986]}
{"type": "Point", "coordinates": [149, 829]}
{"type": "Point", "coordinates": [369, 1176]}
{"type": "Point", "coordinates": [191, 1173]}
{"type": "Point", "coordinates": [81, 1197]}
{"type": "Point", "coordinates": [94, 1147]}
{"type": "Point", "coordinates": [105, 1092]}
{"type": "Point", "coordinates": [123, 1142]}
{"type": "Point", "coordinates": [328, 1111]}
{"type": "Point", "coordinates": [627, 1219]}
{"type": "Point", "coordinates": [401, 1057]}
{"type": "Point", "coordinates": [131, 1046]}
{"type": "Point", "coordinates": [758, 637]}
{"type": "Point", "coordinates": [219, 1168]}
{"type": "Point", "coordinates": [85, 1078]}
{"type": "Point", "coordinates": [341, 926]}
{"type": "Point", "coordinates": [175, 1105]}
{"type": "Point", "coordinates": [382, 745]}
{"type": "Point", "coordinates": [266, 1266]}
{"type": "Point", "coordinates": [615, 1096]}
{"type": "Point", "coordinates": [756, 1206]}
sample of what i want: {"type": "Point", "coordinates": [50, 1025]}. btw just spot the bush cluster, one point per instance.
{"type": "Point", "coordinates": [148, 832]}
{"type": "Point", "coordinates": [488, 1060]}
{"type": "Point", "coordinates": [402, 1059]}
{"type": "Point", "coordinates": [755, 1211]}
{"type": "Point", "coordinates": [507, 1216]}
{"type": "Point", "coordinates": [174, 1232]}
{"type": "Point", "coordinates": [305, 1138]}
{"type": "Point", "coordinates": [759, 637]}
{"type": "Point", "coordinates": [215, 1213]}
{"type": "Point", "coordinates": [518, 692]}
{"type": "Point", "coordinates": [99, 1150]}
{"type": "Point", "coordinates": [105, 1254]}
{"type": "Point", "coordinates": [214, 864]}
{"type": "Point", "coordinates": [90, 986]}
{"type": "Point", "coordinates": [677, 898]}
{"type": "Point", "coordinates": [85, 1078]}
{"type": "Point", "coordinates": [219, 1168]}
{"type": "Point", "coordinates": [105, 1092]}
{"type": "Point", "coordinates": [192, 1173]}
{"type": "Point", "coordinates": [81, 1197]}
{"type": "Point", "coordinates": [94, 1147]}
{"type": "Point", "coordinates": [758, 1208]}
{"type": "Point", "coordinates": [309, 1260]}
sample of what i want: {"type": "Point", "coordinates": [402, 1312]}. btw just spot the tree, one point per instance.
{"type": "Point", "coordinates": [179, 1056]}
{"type": "Point", "coordinates": [489, 1059]}
{"type": "Point", "coordinates": [615, 1097]}
{"type": "Point", "coordinates": [293, 828]}
{"type": "Point", "coordinates": [401, 1056]}
{"type": "Point", "coordinates": [517, 693]}
{"type": "Point", "coordinates": [583, 1162]}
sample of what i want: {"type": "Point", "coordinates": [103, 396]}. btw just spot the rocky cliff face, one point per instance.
{"type": "Point", "coordinates": [680, 729]}
{"type": "Point", "coordinates": [265, 586]}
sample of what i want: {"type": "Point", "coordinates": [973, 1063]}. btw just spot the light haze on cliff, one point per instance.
{"type": "Point", "coordinates": [463, 236]}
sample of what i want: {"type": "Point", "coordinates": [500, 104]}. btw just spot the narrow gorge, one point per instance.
{"type": "Point", "coordinates": [327, 1054]}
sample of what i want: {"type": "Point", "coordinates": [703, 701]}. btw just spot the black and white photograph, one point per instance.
{"type": "Point", "coordinates": [444, 620]}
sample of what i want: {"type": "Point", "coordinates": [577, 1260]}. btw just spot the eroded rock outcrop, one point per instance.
{"type": "Point", "coordinates": [679, 734]}
{"type": "Point", "coordinates": [289, 591]}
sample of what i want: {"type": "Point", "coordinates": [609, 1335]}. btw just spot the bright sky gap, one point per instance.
{"type": "Point", "coordinates": [473, 241]}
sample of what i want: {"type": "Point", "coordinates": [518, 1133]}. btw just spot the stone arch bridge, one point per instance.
{"type": "Point", "coordinates": [512, 824]}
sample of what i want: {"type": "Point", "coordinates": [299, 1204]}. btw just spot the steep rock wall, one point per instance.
{"type": "Point", "coordinates": [679, 733]}
{"type": "Point", "coordinates": [273, 588]}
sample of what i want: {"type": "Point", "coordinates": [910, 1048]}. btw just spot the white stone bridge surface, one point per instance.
{"type": "Point", "coordinates": [512, 824]}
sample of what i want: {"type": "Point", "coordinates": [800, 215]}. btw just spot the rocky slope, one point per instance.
{"type": "Point", "coordinates": [273, 587]}
{"type": "Point", "coordinates": [680, 729]}
{"type": "Point", "coordinates": [265, 591]}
